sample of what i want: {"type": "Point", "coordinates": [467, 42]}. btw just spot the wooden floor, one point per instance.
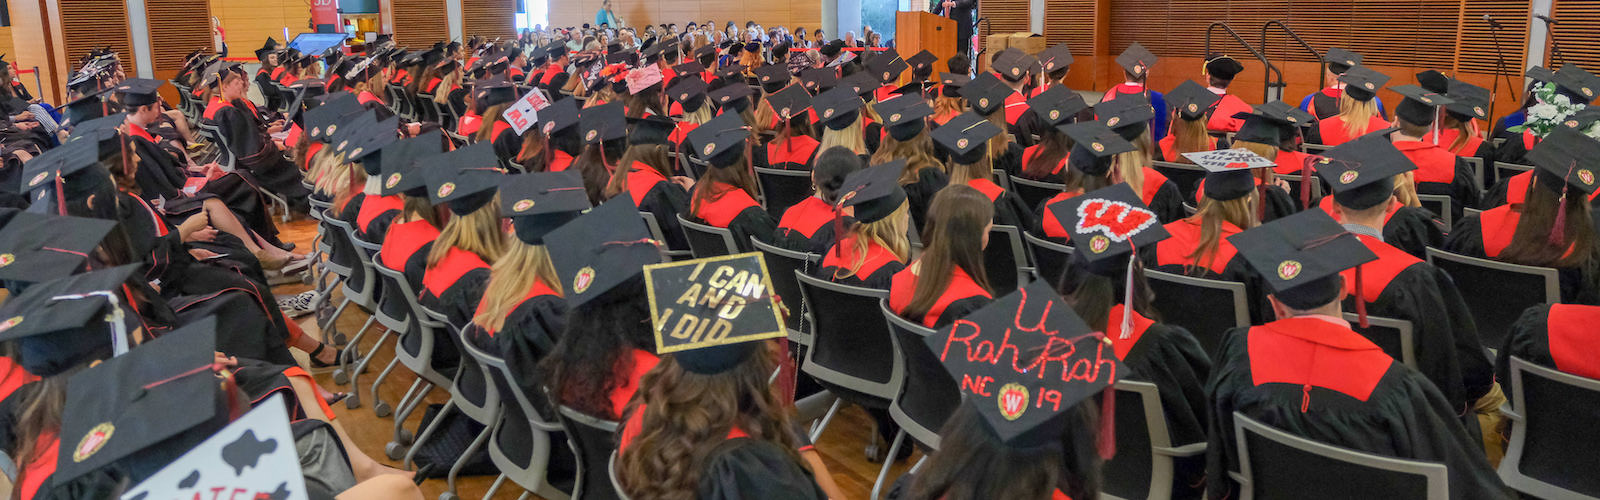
{"type": "Point", "coordinates": [841, 446]}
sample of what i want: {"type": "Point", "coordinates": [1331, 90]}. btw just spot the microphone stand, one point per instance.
{"type": "Point", "coordinates": [1500, 70]}
{"type": "Point", "coordinates": [1554, 45]}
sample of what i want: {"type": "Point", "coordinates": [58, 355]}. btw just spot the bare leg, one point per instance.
{"type": "Point", "coordinates": [182, 123]}
{"type": "Point", "coordinates": [383, 487]}
{"type": "Point", "coordinates": [363, 466]}
{"type": "Point", "coordinates": [819, 471]}
{"type": "Point", "coordinates": [223, 219]}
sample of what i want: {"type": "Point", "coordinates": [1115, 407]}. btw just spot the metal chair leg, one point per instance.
{"type": "Point", "coordinates": [354, 401]}
{"type": "Point", "coordinates": [379, 407]}
{"type": "Point", "coordinates": [493, 488]}
{"type": "Point", "coordinates": [483, 436]}
{"type": "Point", "coordinates": [438, 420]}
{"type": "Point", "coordinates": [818, 426]}
{"type": "Point", "coordinates": [888, 461]}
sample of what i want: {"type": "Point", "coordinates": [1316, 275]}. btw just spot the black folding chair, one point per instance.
{"type": "Point", "coordinates": [593, 440]}
{"type": "Point", "coordinates": [1393, 335]}
{"type": "Point", "coordinates": [847, 354]}
{"type": "Point", "coordinates": [928, 396]}
{"type": "Point", "coordinates": [1144, 465]}
{"type": "Point", "coordinates": [1035, 192]}
{"type": "Point", "coordinates": [1275, 464]}
{"type": "Point", "coordinates": [1497, 292]}
{"type": "Point", "coordinates": [1049, 257]}
{"type": "Point", "coordinates": [1186, 176]}
{"type": "Point", "coordinates": [782, 264]}
{"type": "Point", "coordinates": [1200, 305]}
{"type": "Point", "coordinates": [1005, 260]}
{"type": "Point", "coordinates": [781, 189]}
{"type": "Point", "coordinates": [708, 241]}
{"type": "Point", "coordinates": [1551, 453]}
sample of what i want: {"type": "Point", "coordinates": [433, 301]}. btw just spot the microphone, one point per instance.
{"type": "Point", "coordinates": [1493, 24]}
{"type": "Point", "coordinates": [1546, 19]}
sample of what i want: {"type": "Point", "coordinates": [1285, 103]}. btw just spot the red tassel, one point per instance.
{"type": "Point", "coordinates": [786, 374]}
{"type": "Point", "coordinates": [1558, 234]}
{"type": "Point", "coordinates": [1261, 201]}
{"type": "Point", "coordinates": [1107, 443]}
{"type": "Point", "coordinates": [1307, 171]}
{"type": "Point", "coordinates": [1361, 300]}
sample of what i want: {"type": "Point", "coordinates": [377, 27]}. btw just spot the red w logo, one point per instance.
{"type": "Point", "coordinates": [1013, 401]}
{"type": "Point", "coordinates": [1117, 220]}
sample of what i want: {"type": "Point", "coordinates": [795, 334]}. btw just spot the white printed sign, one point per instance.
{"type": "Point", "coordinates": [1229, 159]}
{"type": "Point", "coordinates": [525, 112]}
{"type": "Point", "coordinates": [253, 457]}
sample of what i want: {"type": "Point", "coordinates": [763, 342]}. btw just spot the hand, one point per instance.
{"type": "Point", "coordinates": [413, 129]}
{"type": "Point", "coordinates": [207, 233]}
{"type": "Point", "coordinates": [25, 115]}
{"type": "Point", "coordinates": [213, 171]}
{"type": "Point", "coordinates": [1282, 183]}
{"type": "Point", "coordinates": [685, 182]}
{"type": "Point", "coordinates": [225, 360]}
{"type": "Point", "coordinates": [275, 128]}
{"type": "Point", "coordinates": [203, 254]}
{"type": "Point", "coordinates": [194, 223]}
{"type": "Point", "coordinates": [22, 155]}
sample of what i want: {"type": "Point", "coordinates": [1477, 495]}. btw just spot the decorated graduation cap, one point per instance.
{"type": "Point", "coordinates": [494, 90]}
{"type": "Point", "coordinates": [251, 456]}
{"type": "Point", "coordinates": [1127, 115]}
{"type": "Point", "coordinates": [887, 66]}
{"type": "Point", "coordinates": [1137, 60]}
{"type": "Point", "coordinates": [1108, 222]}
{"type": "Point", "coordinates": [689, 93]}
{"type": "Point", "coordinates": [986, 93]}
{"type": "Point", "coordinates": [1362, 83]}
{"type": "Point", "coordinates": [1094, 147]}
{"type": "Point", "coordinates": [965, 137]}
{"type": "Point", "coordinates": [601, 249]}
{"type": "Point", "coordinates": [735, 97]}
{"type": "Point", "coordinates": [720, 141]}
{"type": "Point", "coordinates": [138, 91]}
{"type": "Point", "coordinates": [818, 80]}
{"type": "Point", "coordinates": [874, 191]}
{"type": "Point", "coordinates": [1026, 393]}
{"type": "Point", "coordinates": [1192, 100]}
{"type": "Point", "coordinates": [1576, 83]}
{"type": "Point", "coordinates": [1468, 101]}
{"type": "Point", "coordinates": [64, 322]}
{"type": "Point", "coordinates": [1221, 66]}
{"type": "Point", "coordinates": [903, 115]}
{"type": "Point", "coordinates": [1340, 60]}
{"type": "Point", "coordinates": [790, 102]}
{"type": "Point", "coordinates": [922, 63]}
{"type": "Point", "coordinates": [773, 77]}
{"type": "Point", "coordinates": [606, 122]}
{"type": "Point", "coordinates": [1056, 60]}
{"type": "Point", "coordinates": [951, 84]}
{"type": "Point", "coordinates": [1420, 105]}
{"type": "Point", "coordinates": [1229, 173]}
{"type": "Point", "coordinates": [1361, 172]}
{"type": "Point", "coordinates": [133, 414]}
{"type": "Point", "coordinates": [540, 202]}
{"type": "Point", "coordinates": [39, 247]}
{"type": "Point", "coordinates": [1057, 105]}
{"type": "Point", "coordinates": [711, 313]}
{"type": "Point", "coordinates": [398, 159]}
{"type": "Point", "coordinates": [1300, 257]}
{"type": "Point", "coordinates": [468, 180]}
{"type": "Point", "coordinates": [837, 108]}
{"type": "Point", "coordinates": [322, 122]}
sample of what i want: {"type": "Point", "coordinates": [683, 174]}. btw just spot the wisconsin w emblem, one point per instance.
{"type": "Point", "coordinates": [1114, 219]}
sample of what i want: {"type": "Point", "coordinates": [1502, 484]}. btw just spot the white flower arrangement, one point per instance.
{"type": "Point", "coordinates": [1550, 111]}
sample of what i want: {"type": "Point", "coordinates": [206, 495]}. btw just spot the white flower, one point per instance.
{"type": "Point", "coordinates": [1543, 111]}
{"type": "Point", "coordinates": [1561, 100]}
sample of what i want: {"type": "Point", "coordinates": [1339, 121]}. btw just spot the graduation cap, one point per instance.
{"type": "Point", "coordinates": [986, 93]}
{"type": "Point", "coordinates": [1055, 60]}
{"type": "Point", "coordinates": [772, 77]}
{"type": "Point", "coordinates": [1362, 83]}
{"type": "Point", "coordinates": [88, 106]}
{"type": "Point", "coordinates": [1094, 146]}
{"type": "Point", "coordinates": [1540, 74]}
{"type": "Point", "coordinates": [1361, 172]}
{"type": "Point", "coordinates": [832, 48]}
{"type": "Point", "coordinates": [733, 96]}
{"type": "Point", "coordinates": [1026, 392]}
{"type": "Point", "coordinates": [352, 129]}
{"type": "Point", "coordinates": [650, 129]}
{"type": "Point", "coordinates": [965, 136]}
{"type": "Point", "coordinates": [1566, 158]}
{"type": "Point", "coordinates": [1468, 101]}
{"type": "Point", "coordinates": [558, 116]}
{"type": "Point", "coordinates": [368, 141]}
{"type": "Point", "coordinates": [1137, 60]}
{"type": "Point", "coordinates": [467, 181]}
{"type": "Point", "coordinates": [1108, 222]}
{"type": "Point", "coordinates": [1300, 257]}
{"type": "Point", "coordinates": [323, 121]}
{"type": "Point", "coordinates": [601, 249]}
{"type": "Point", "coordinates": [138, 91]}
{"type": "Point", "coordinates": [1014, 64]}
{"type": "Point", "coordinates": [1583, 118]}
{"type": "Point", "coordinates": [1228, 172]}
{"type": "Point", "coordinates": [862, 83]}
{"type": "Point", "coordinates": [654, 50]}
{"type": "Point", "coordinates": [1420, 105]}
{"type": "Point", "coordinates": [790, 102]}
{"type": "Point", "coordinates": [922, 63]}
{"type": "Point", "coordinates": [494, 90]}
{"type": "Point", "coordinates": [1340, 60]}
{"type": "Point", "coordinates": [61, 162]}
{"type": "Point", "coordinates": [398, 159]}
{"type": "Point", "coordinates": [605, 122]}
{"type": "Point", "coordinates": [1222, 67]}
{"type": "Point", "coordinates": [267, 48]}
{"type": "Point", "coordinates": [689, 68]}
{"type": "Point", "coordinates": [689, 93]}
{"type": "Point", "coordinates": [249, 455]}
{"type": "Point", "coordinates": [1192, 100]}
{"type": "Point", "coordinates": [1576, 83]}
{"type": "Point", "coordinates": [1127, 115]}
{"type": "Point", "coordinates": [951, 84]}
{"type": "Point", "coordinates": [39, 247]}
{"type": "Point", "coordinates": [818, 80]}
{"type": "Point", "coordinates": [874, 191]}
{"type": "Point", "coordinates": [133, 414]}
{"type": "Point", "coordinates": [67, 321]}
{"type": "Point", "coordinates": [903, 115]}
{"type": "Point", "coordinates": [887, 66]}
{"type": "Point", "coordinates": [710, 313]}
{"type": "Point", "coordinates": [718, 142]}
{"type": "Point", "coordinates": [1434, 81]}
{"type": "Point", "coordinates": [837, 108]}
{"type": "Point", "coordinates": [1057, 105]}
{"type": "Point", "coordinates": [730, 71]}
{"type": "Point", "coordinates": [540, 202]}
{"type": "Point", "coordinates": [1263, 125]}
{"type": "Point", "coordinates": [705, 52]}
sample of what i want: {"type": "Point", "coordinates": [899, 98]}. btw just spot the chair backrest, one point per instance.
{"type": "Point", "coordinates": [781, 189]}
{"type": "Point", "coordinates": [1005, 260]}
{"type": "Point", "coordinates": [657, 234]}
{"type": "Point", "coordinates": [1497, 292]}
{"type": "Point", "coordinates": [392, 312]}
{"type": "Point", "coordinates": [1277, 464]}
{"type": "Point", "coordinates": [1035, 192]}
{"type": "Point", "coordinates": [782, 264]}
{"type": "Point", "coordinates": [1395, 336]}
{"type": "Point", "coordinates": [1186, 176]}
{"type": "Point", "coordinates": [1315, 148]}
{"type": "Point", "coordinates": [215, 135]}
{"type": "Point", "coordinates": [1441, 205]}
{"type": "Point", "coordinates": [1465, 211]}
{"type": "Point", "coordinates": [1294, 181]}
{"type": "Point", "coordinates": [1200, 305]}
{"type": "Point", "coordinates": [415, 349]}
{"type": "Point", "coordinates": [1551, 453]}
{"type": "Point", "coordinates": [1503, 170]}
{"type": "Point", "coordinates": [1049, 257]}
{"type": "Point", "coordinates": [531, 475]}
{"type": "Point", "coordinates": [1139, 470]}
{"type": "Point", "coordinates": [1002, 179]}
{"type": "Point", "coordinates": [846, 352]}
{"type": "Point", "coordinates": [1477, 170]}
{"type": "Point", "coordinates": [928, 395]}
{"type": "Point", "coordinates": [593, 440]}
{"type": "Point", "coordinates": [707, 241]}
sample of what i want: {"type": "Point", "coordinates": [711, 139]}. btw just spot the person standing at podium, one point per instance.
{"type": "Point", "coordinates": [960, 11]}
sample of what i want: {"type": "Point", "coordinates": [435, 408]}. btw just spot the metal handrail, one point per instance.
{"type": "Point", "coordinates": [1258, 55]}
{"type": "Point", "coordinates": [1293, 36]}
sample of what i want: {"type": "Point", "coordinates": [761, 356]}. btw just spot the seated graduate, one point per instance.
{"type": "Point", "coordinates": [1047, 160]}
{"type": "Point", "coordinates": [369, 81]}
{"type": "Point", "coordinates": [1571, 84]}
{"type": "Point", "coordinates": [559, 131]}
{"type": "Point", "coordinates": [458, 261]}
{"type": "Point", "coordinates": [605, 130]}
{"type": "Point", "coordinates": [1350, 393]}
{"type": "Point", "coordinates": [809, 225]}
{"type": "Point", "coordinates": [645, 175]}
{"type": "Point", "coordinates": [1514, 190]}
{"type": "Point", "coordinates": [1359, 113]}
{"type": "Point", "coordinates": [1559, 336]}
{"type": "Point", "coordinates": [875, 248]}
{"type": "Point", "coordinates": [1326, 103]}
{"type": "Point", "coordinates": [1458, 127]}
{"type": "Point", "coordinates": [793, 148]}
{"type": "Point", "coordinates": [1401, 286]}
{"type": "Point", "coordinates": [1271, 195]}
{"type": "Point", "coordinates": [987, 94]}
{"type": "Point", "coordinates": [689, 95]}
{"type": "Point", "coordinates": [948, 280]}
{"type": "Point", "coordinates": [608, 342]}
{"type": "Point", "coordinates": [1284, 146]}
{"type": "Point", "coordinates": [705, 422]}
{"type": "Point", "coordinates": [1114, 299]}
{"type": "Point", "coordinates": [494, 95]}
{"type": "Point", "coordinates": [1095, 149]}
{"type": "Point", "coordinates": [1136, 63]}
{"type": "Point", "coordinates": [1055, 62]}
{"type": "Point", "coordinates": [1553, 226]}
{"type": "Point", "coordinates": [907, 138]}
{"type": "Point", "coordinates": [966, 140]}
{"type": "Point", "coordinates": [839, 112]}
{"type": "Point", "coordinates": [1000, 443]}
{"type": "Point", "coordinates": [1220, 71]}
{"type": "Point", "coordinates": [248, 137]}
{"type": "Point", "coordinates": [949, 102]}
{"type": "Point", "coordinates": [724, 196]}
{"type": "Point", "coordinates": [1406, 225]}
{"type": "Point", "coordinates": [1439, 171]}
{"type": "Point", "coordinates": [379, 210]}
{"type": "Point", "coordinates": [1191, 103]}
{"type": "Point", "coordinates": [772, 78]}
{"type": "Point", "coordinates": [522, 312]}
{"type": "Point", "coordinates": [1129, 117]}
{"type": "Point", "coordinates": [1230, 203]}
{"type": "Point", "coordinates": [1016, 69]}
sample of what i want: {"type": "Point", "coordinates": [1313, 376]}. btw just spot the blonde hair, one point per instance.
{"type": "Point", "coordinates": [478, 232]}
{"type": "Point", "coordinates": [918, 153]}
{"type": "Point", "coordinates": [888, 232]}
{"type": "Point", "coordinates": [1129, 168]}
{"type": "Point", "coordinates": [1001, 142]}
{"type": "Point", "coordinates": [1267, 151]}
{"type": "Point", "coordinates": [441, 94]}
{"type": "Point", "coordinates": [1356, 114]}
{"type": "Point", "coordinates": [490, 117]}
{"type": "Point", "coordinates": [1405, 189]}
{"type": "Point", "coordinates": [1189, 136]}
{"type": "Point", "coordinates": [1212, 213]}
{"type": "Point", "coordinates": [851, 137]}
{"type": "Point", "coordinates": [322, 166]}
{"type": "Point", "coordinates": [948, 105]}
{"type": "Point", "coordinates": [699, 116]}
{"type": "Point", "coordinates": [510, 278]}
{"type": "Point", "coordinates": [765, 116]}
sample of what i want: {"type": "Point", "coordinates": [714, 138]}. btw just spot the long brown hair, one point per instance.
{"type": "Point", "coordinates": [1239, 211]}
{"type": "Point", "coordinates": [652, 155]}
{"type": "Point", "coordinates": [1531, 245]}
{"type": "Point", "coordinates": [478, 232]}
{"type": "Point", "coordinates": [490, 117]}
{"type": "Point", "coordinates": [1462, 128]}
{"type": "Point", "coordinates": [917, 151]}
{"type": "Point", "coordinates": [710, 186]}
{"type": "Point", "coordinates": [420, 208]}
{"type": "Point", "coordinates": [888, 232]}
{"type": "Point", "coordinates": [686, 415]}
{"type": "Point", "coordinates": [510, 279]}
{"type": "Point", "coordinates": [40, 413]}
{"type": "Point", "coordinates": [1053, 147]}
{"type": "Point", "coordinates": [957, 219]}
{"type": "Point", "coordinates": [1189, 136]}
{"type": "Point", "coordinates": [974, 464]}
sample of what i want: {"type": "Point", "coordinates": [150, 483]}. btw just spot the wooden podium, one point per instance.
{"type": "Point", "coordinates": [916, 31]}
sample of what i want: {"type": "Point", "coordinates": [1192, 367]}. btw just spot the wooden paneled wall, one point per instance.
{"type": "Point", "coordinates": [767, 13]}
{"type": "Point", "coordinates": [89, 24]}
{"type": "Point", "coordinates": [1580, 20]}
{"type": "Point", "coordinates": [248, 23]}
{"type": "Point", "coordinates": [489, 18]}
{"type": "Point", "coordinates": [177, 27]}
{"type": "Point", "coordinates": [419, 23]}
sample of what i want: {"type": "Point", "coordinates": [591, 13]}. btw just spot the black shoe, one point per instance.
{"type": "Point", "coordinates": [286, 246]}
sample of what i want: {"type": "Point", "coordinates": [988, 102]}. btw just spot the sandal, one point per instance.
{"type": "Point", "coordinates": [317, 363]}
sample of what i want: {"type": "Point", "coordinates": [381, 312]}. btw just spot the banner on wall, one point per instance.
{"type": "Point", "coordinates": [324, 12]}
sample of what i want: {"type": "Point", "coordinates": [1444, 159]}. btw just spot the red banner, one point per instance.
{"type": "Point", "coordinates": [324, 12]}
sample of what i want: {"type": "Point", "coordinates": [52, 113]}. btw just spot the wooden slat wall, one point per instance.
{"type": "Point", "coordinates": [86, 24]}
{"type": "Point", "coordinates": [1580, 20]}
{"type": "Point", "coordinates": [177, 27]}
{"type": "Point", "coordinates": [1005, 16]}
{"type": "Point", "coordinates": [489, 18]}
{"type": "Point", "coordinates": [638, 13]}
{"type": "Point", "coordinates": [1070, 22]}
{"type": "Point", "coordinates": [419, 23]}
{"type": "Point", "coordinates": [1476, 52]}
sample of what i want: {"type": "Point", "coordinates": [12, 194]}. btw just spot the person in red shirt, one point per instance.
{"type": "Point", "coordinates": [1219, 72]}
{"type": "Point", "coordinates": [1136, 63]}
{"type": "Point", "coordinates": [1095, 149]}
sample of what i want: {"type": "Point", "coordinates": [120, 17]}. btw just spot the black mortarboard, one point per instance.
{"type": "Point", "coordinates": [1094, 147]}
{"type": "Point", "coordinates": [133, 414]}
{"type": "Point", "coordinates": [1583, 118]}
{"type": "Point", "coordinates": [558, 116]}
{"type": "Point", "coordinates": [862, 83]}
{"type": "Point", "coordinates": [689, 92]}
{"type": "Point", "coordinates": [64, 322]}
{"type": "Point", "coordinates": [986, 93]}
{"type": "Point", "coordinates": [1270, 123]}
{"type": "Point", "coordinates": [720, 141]}
{"type": "Point", "coordinates": [837, 108]}
{"type": "Point", "coordinates": [951, 84]}
{"type": "Point", "coordinates": [540, 202]}
{"type": "Point", "coordinates": [1566, 157]}
{"type": "Point", "coordinates": [399, 160]}
{"type": "Point", "coordinates": [556, 50]}
{"type": "Point", "coordinates": [705, 51]}
{"type": "Point", "coordinates": [874, 191]}
{"type": "Point", "coordinates": [1576, 83]}
{"type": "Point", "coordinates": [1361, 172]}
{"type": "Point", "coordinates": [305, 98]}
{"type": "Point", "coordinates": [1362, 83]}
{"type": "Point", "coordinates": [467, 181]}
{"type": "Point", "coordinates": [689, 68]}
{"type": "Point", "coordinates": [832, 48]}
{"type": "Point", "coordinates": [1470, 101]}
{"type": "Point", "coordinates": [1434, 81]}
{"type": "Point", "coordinates": [601, 249]}
{"type": "Point", "coordinates": [1127, 115]}
{"type": "Point", "coordinates": [1420, 105]}
{"type": "Point", "coordinates": [352, 129]}
{"type": "Point", "coordinates": [887, 66]}
{"type": "Point", "coordinates": [1341, 60]}
{"type": "Point", "coordinates": [1057, 105]}
{"type": "Point", "coordinates": [1108, 222]}
{"type": "Point", "coordinates": [965, 136]}
{"type": "Point", "coordinates": [1222, 67]}
{"type": "Point", "coordinates": [1055, 60]}
{"type": "Point", "coordinates": [650, 129]}
{"type": "Point", "coordinates": [1029, 389]}
{"type": "Point", "coordinates": [789, 102]}
{"type": "Point", "coordinates": [88, 106]}
{"type": "Point", "coordinates": [1300, 256]}
{"type": "Point", "coordinates": [1014, 64]}
{"type": "Point", "coordinates": [1540, 74]}
{"type": "Point", "coordinates": [1228, 172]}
{"type": "Point", "coordinates": [367, 142]}
{"type": "Point", "coordinates": [818, 80]}
{"type": "Point", "coordinates": [1192, 100]}
{"type": "Point", "coordinates": [903, 115]}
{"type": "Point", "coordinates": [773, 77]}
{"type": "Point", "coordinates": [734, 97]}
{"type": "Point", "coordinates": [494, 90]}
{"type": "Point", "coordinates": [605, 122]}
{"type": "Point", "coordinates": [138, 91]}
{"type": "Point", "coordinates": [729, 72]}
{"type": "Point", "coordinates": [323, 122]}
{"type": "Point", "coordinates": [922, 63]}
{"type": "Point", "coordinates": [39, 247]}
{"type": "Point", "coordinates": [1137, 60]}
{"type": "Point", "coordinates": [709, 313]}
{"type": "Point", "coordinates": [60, 162]}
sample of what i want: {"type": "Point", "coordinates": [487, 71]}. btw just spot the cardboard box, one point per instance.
{"type": "Point", "coordinates": [1032, 43]}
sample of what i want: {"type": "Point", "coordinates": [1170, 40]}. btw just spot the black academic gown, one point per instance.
{"type": "Point", "coordinates": [1008, 207]}
{"type": "Point", "coordinates": [1169, 357]}
{"type": "Point", "coordinates": [1486, 234]}
{"type": "Point", "coordinates": [797, 153]}
{"type": "Point", "coordinates": [1559, 336]}
{"type": "Point", "coordinates": [653, 193]}
{"type": "Point", "coordinates": [159, 175]}
{"type": "Point", "coordinates": [808, 226]}
{"type": "Point", "coordinates": [1371, 403]}
{"type": "Point", "coordinates": [1162, 196]}
{"type": "Point", "coordinates": [1515, 149]}
{"type": "Point", "coordinates": [1412, 229]}
{"type": "Point", "coordinates": [735, 210]}
{"type": "Point", "coordinates": [454, 286]}
{"type": "Point", "coordinates": [529, 333]}
{"type": "Point", "coordinates": [960, 298]}
{"type": "Point", "coordinates": [345, 253]}
{"type": "Point", "coordinates": [1460, 188]}
{"type": "Point", "coordinates": [919, 194]}
{"type": "Point", "coordinates": [255, 151]}
{"type": "Point", "coordinates": [877, 268]}
{"type": "Point", "coordinates": [745, 468]}
{"type": "Point", "coordinates": [1172, 256]}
